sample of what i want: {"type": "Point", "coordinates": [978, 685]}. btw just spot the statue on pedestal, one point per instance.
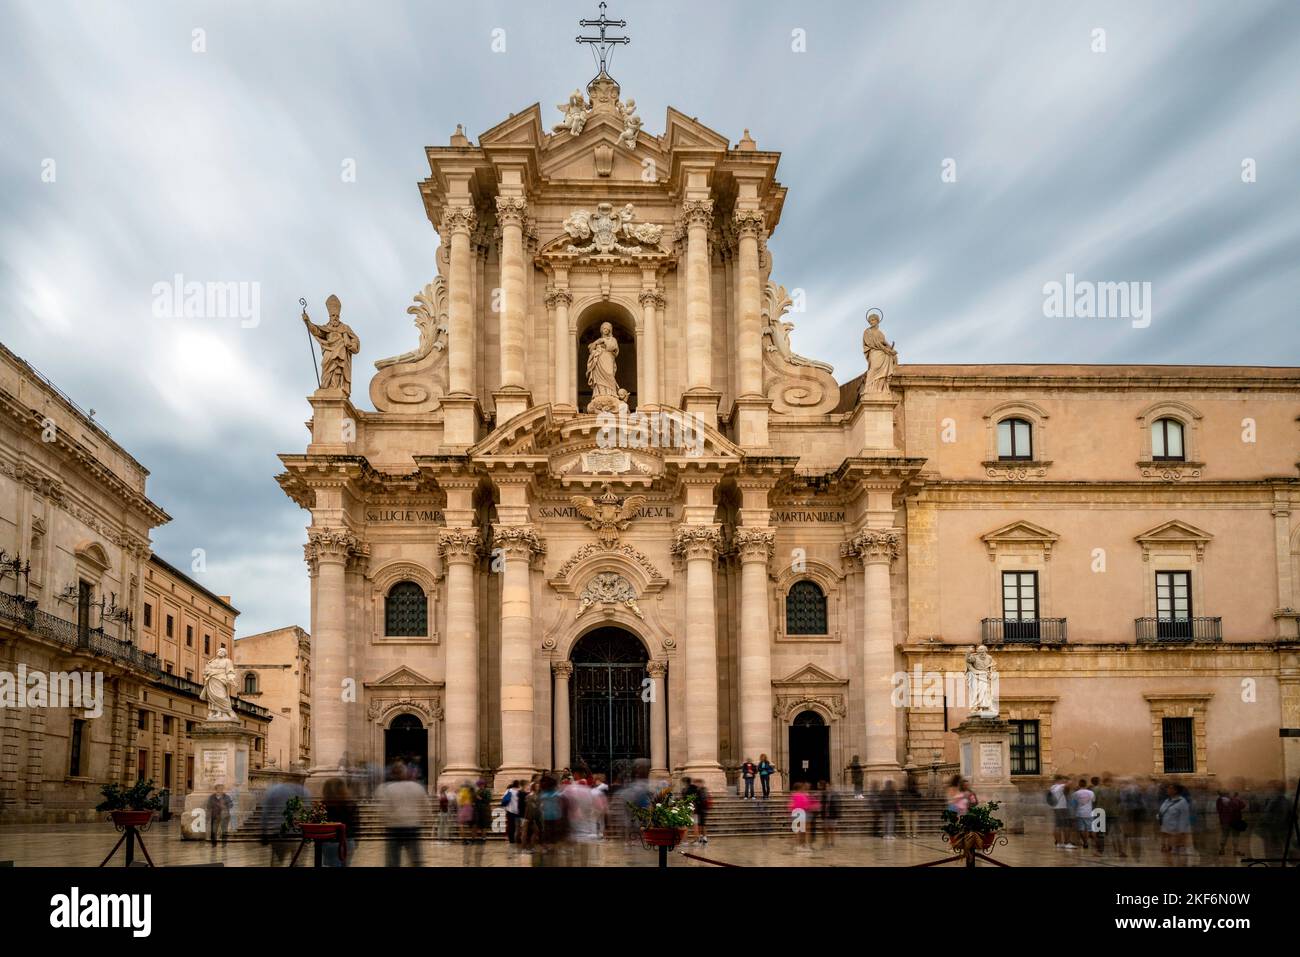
{"type": "Point", "coordinates": [338, 344]}
{"type": "Point", "coordinates": [575, 114]}
{"type": "Point", "coordinates": [219, 687]}
{"type": "Point", "coordinates": [982, 683]}
{"type": "Point", "coordinates": [882, 358]}
{"type": "Point", "coordinates": [602, 371]}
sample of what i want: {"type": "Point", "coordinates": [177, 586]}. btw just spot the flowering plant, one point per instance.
{"type": "Point", "coordinates": [665, 810]}
{"type": "Point", "coordinates": [978, 819]}
{"type": "Point", "coordinates": [297, 812]}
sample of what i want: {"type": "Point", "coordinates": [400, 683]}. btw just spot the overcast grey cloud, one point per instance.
{"type": "Point", "coordinates": [225, 165]}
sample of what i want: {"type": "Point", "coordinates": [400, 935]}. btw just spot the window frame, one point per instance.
{"type": "Point", "coordinates": [1163, 423]}
{"type": "Point", "coordinates": [1020, 746]}
{"type": "Point", "coordinates": [415, 590]}
{"type": "Point", "coordinates": [824, 609]}
{"type": "Point", "coordinates": [1177, 746]}
{"type": "Point", "coordinates": [1012, 421]}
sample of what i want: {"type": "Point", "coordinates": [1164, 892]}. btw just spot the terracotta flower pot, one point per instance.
{"type": "Point", "coordinates": [130, 818]}
{"type": "Point", "coordinates": [321, 832]}
{"type": "Point", "coordinates": [663, 836]}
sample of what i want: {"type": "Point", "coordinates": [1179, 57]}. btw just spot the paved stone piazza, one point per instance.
{"type": "Point", "coordinates": [84, 845]}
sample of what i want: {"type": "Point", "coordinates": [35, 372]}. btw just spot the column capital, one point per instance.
{"type": "Point", "coordinates": [332, 545]}
{"type": "Point", "coordinates": [697, 212]}
{"type": "Point", "coordinates": [562, 669]}
{"type": "Point", "coordinates": [511, 210]}
{"type": "Point", "coordinates": [460, 544]}
{"type": "Point", "coordinates": [656, 667]}
{"type": "Point", "coordinates": [873, 546]}
{"type": "Point", "coordinates": [559, 297]}
{"type": "Point", "coordinates": [696, 541]}
{"type": "Point", "coordinates": [754, 544]}
{"type": "Point", "coordinates": [517, 540]}
{"type": "Point", "coordinates": [651, 297]}
{"type": "Point", "coordinates": [458, 219]}
{"type": "Point", "coordinates": [749, 222]}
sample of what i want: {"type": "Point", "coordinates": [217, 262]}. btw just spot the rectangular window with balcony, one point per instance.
{"type": "Point", "coordinates": [1024, 747]}
{"type": "Point", "coordinates": [1179, 745]}
{"type": "Point", "coordinates": [189, 675]}
{"type": "Point", "coordinates": [1174, 605]}
{"type": "Point", "coordinates": [75, 769]}
{"type": "Point", "coordinates": [148, 615]}
{"type": "Point", "coordinates": [1020, 606]}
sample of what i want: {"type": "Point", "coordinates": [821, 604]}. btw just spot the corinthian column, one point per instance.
{"type": "Point", "coordinates": [877, 549]}
{"type": "Point", "coordinates": [518, 544]}
{"type": "Point", "coordinates": [749, 339]}
{"type": "Point", "coordinates": [698, 216]}
{"type": "Point", "coordinates": [328, 551]}
{"type": "Point", "coordinates": [697, 545]}
{"type": "Point", "coordinates": [755, 548]}
{"type": "Point", "coordinates": [457, 224]}
{"type": "Point", "coordinates": [560, 300]}
{"type": "Point", "coordinates": [658, 718]}
{"type": "Point", "coordinates": [651, 302]}
{"type": "Point", "coordinates": [459, 548]}
{"type": "Point", "coordinates": [510, 216]}
{"type": "Point", "coordinates": [563, 671]}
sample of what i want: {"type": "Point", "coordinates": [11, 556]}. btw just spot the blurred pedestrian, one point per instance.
{"type": "Point", "coordinates": [402, 803]}
{"type": "Point", "coordinates": [341, 809]}
{"type": "Point", "coordinates": [890, 805]}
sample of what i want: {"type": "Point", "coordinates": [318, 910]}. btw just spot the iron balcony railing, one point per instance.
{"type": "Point", "coordinates": [25, 614]}
{"type": "Point", "coordinates": [1023, 631]}
{"type": "Point", "coordinates": [1175, 630]}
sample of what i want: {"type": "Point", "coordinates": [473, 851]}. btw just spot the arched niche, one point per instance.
{"type": "Point", "coordinates": [624, 328]}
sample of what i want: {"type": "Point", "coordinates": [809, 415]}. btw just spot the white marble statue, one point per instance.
{"type": "Point", "coordinates": [575, 114]}
{"type": "Point", "coordinates": [602, 371]}
{"type": "Point", "coordinates": [882, 357]}
{"type": "Point", "coordinates": [219, 687]}
{"type": "Point", "coordinates": [338, 344]}
{"type": "Point", "coordinates": [631, 124]}
{"type": "Point", "coordinates": [982, 683]}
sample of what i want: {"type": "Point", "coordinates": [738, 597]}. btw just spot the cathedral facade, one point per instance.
{"type": "Point", "coordinates": [603, 512]}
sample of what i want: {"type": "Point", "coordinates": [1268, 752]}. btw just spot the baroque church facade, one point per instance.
{"type": "Point", "coordinates": [603, 512]}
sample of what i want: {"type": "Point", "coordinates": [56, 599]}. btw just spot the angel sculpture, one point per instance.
{"type": "Point", "coordinates": [607, 515]}
{"type": "Point", "coordinates": [647, 233]}
{"type": "Point", "coordinates": [575, 114]}
{"type": "Point", "coordinates": [631, 124]}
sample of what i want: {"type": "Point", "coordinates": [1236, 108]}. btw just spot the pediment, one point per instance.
{"type": "Point", "coordinates": [537, 437]}
{"type": "Point", "coordinates": [519, 129]}
{"type": "Point", "coordinates": [810, 674]}
{"type": "Point", "coordinates": [402, 676]}
{"type": "Point", "coordinates": [1174, 532]}
{"type": "Point", "coordinates": [686, 132]}
{"type": "Point", "coordinates": [1020, 533]}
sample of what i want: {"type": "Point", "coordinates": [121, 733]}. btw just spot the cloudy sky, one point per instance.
{"type": "Point", "coordinates": [128, 157]}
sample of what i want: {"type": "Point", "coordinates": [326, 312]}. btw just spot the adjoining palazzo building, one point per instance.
{"type": "Point", "coordinates": [501, 584]}
{"type": "Point", "coordinates": [82, 594]}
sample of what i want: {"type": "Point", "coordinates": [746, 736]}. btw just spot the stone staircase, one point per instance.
{"type": "Point", "coordinates": [730, 816]}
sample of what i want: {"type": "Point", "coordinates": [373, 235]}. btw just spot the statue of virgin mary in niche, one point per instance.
{"type": "Point", "coordinates": [602, 372]}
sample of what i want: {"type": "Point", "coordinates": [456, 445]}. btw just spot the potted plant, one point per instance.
{"type": "Point", "coordinates": [665, 819]}
{"type": "Point", "coordinates": [129, 807]}
{"type": "Point", "coordinates": [976, 830]}
{"type": "Point", "coordinates": [311, 820]}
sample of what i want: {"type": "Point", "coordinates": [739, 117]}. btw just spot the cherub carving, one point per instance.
{"type": "Point", "coordinates": [631, 124]}
{"type": "Point", "coordinates": [575, 113]}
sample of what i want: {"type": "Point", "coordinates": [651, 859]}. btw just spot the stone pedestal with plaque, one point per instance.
{"type": "Point", "coordinates": [985, 748]}
{"type": "Point", "coordinates": [221, 758]}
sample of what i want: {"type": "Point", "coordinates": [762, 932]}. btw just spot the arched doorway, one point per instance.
{"type": "Point", "coordinates": [624, 330]}
{"type": "Point", "coordinates": [407, 740]}
{"type": "Point", "coordinates": [610, 716]}
{"type": "Point", "coordinates": [810, 749]}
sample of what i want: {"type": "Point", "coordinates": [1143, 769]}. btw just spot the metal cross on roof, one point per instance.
{"type": "Point", "coordinates": [602, 44]}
